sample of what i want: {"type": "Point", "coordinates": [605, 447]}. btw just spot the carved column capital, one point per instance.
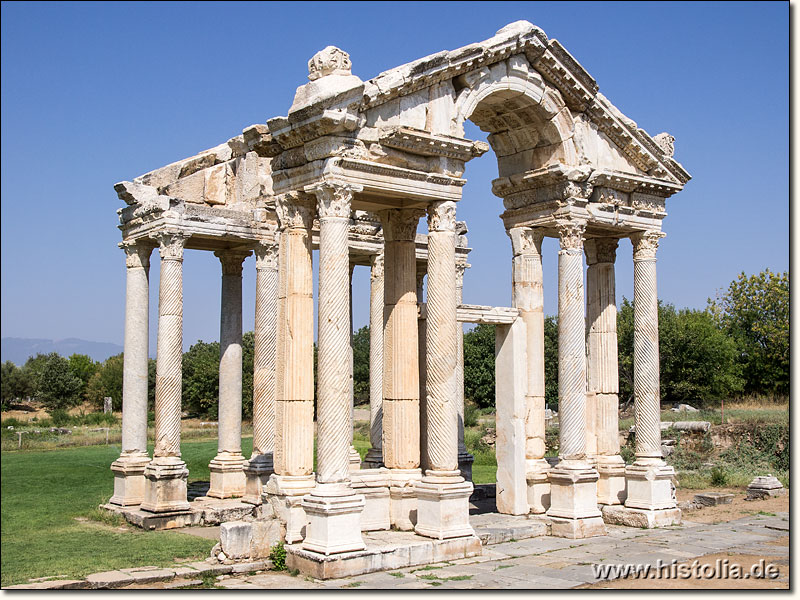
{"type": "Point", "coordinates": [376, 261]}
{"type": "Point", "coordinates": [645, 244]}
{"type": "Point", "coordinates": [170, 243]}
{"type": "Point", "coordinates": [442, 216]}
{"type": "Point", "coordinates": [400, 224]}
{"type": "Point", "coordinates": [232, 260]}
{"type": "Point", "coordinates": [570, 235]}
{"type": "Point", "coordinates": [601, 250]}
{"type": "Point", "coordinates": [333, 198]}
{"type": "Point", "coordinates": [137, 253]}
{"type": "Point", "coordinates": [266, 255]}
{"type": "Point", "coordinates": [525, 240]}
{"type": "Point", "coordinates": [294, 210]}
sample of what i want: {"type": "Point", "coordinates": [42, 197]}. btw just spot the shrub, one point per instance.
{"type": "Point", "coordinates": [471, 413]}
{"type": "Point", "coordinates": [719, 476]}
{"type": "Point", "coordinates": [277, 555]}
{"type": "Point", "coordinates": [60, 417]}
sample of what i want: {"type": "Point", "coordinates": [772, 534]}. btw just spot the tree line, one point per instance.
{"type": "Point", "coordinates": [738, 345]}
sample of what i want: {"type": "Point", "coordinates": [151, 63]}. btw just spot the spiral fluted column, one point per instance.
{"type": "Point", "coordinates": [129, 467]}
{"type": "Point", "coordinates": [465, 459]}
{"type": "Point", "coordinates": [374, 456]}
{"type": "Point", "coordinates": [226, 468]}
{"type": "Point", "coordinates": [260, 466]}
{"type": "Point", "coordinates": [166, 474]}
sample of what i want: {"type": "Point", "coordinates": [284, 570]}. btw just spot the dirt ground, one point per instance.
{"type": "Point", "coordinates": [737, 509]}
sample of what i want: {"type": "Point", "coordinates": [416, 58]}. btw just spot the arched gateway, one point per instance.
{"type": "Point", "coordinates": [351, 170]}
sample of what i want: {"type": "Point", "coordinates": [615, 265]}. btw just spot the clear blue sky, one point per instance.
{"type": "Point", "coordinates": [95, 93]}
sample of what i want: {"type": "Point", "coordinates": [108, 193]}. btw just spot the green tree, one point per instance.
{"type": "Point", "coordinates": [16, 383]}
{"type": "Point", "coordinates": [361, 365]}
{"type": "Point", "coordinates": [551, 362]}
{"type": "Point", "coordinates": [201, 379]}
{"type": "Point", "coordinates": [248, 349]}
{"type": "Point", "coordinates": [755, 312]}
{"type": "Point", "coordinates": [479, 365]}
{"type": "Point", "coordinates": [698, 361]}
{"type": "Point", "coordinates": [107, 382]}
{"type": "Point", "coordinates": [83, 367]}
{"type": "Point", "coordinates": [56, 386]}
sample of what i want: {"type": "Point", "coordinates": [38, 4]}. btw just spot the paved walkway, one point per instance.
{"type": "Point", "coordinates": [557, 563]}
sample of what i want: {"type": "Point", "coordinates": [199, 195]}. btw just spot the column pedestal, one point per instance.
{"type": "Point", "coordinates": [537, 473]}
{"type": "Point", "coordinates": [403, 498]}
{"type": "Point", "coordinates": [611, 488]}
{"type": "Point", "coordinates": [373, 484]}
{"type": "Point", "coordinates": [129, 481]}
{"type": "Point", "coordinates": [166, 487]}
{"type": "Point", "coordinates": [354, 460]}
{"type": "Point", "coordinates": [257, 472]}
{"type": "Point", "coordinates": [573, 502]}
{"type": "Point", "coordinates": [443, 505]}
{"type": "Point", "coordinates": [650, 487]}
{"type": "Point", "coordinates": [334, 515]}
{"type": "Point", "coordinates": [285, 494]}
{"type": "Point", "coordinates": [227, 477]}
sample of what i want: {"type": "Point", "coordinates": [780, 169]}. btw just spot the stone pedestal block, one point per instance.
{"type": "Point", "coordinates": [373, 459]}
{"type": "Point", "coordinates": [764, 486]}
{"type": "Point", "coordinates": [575, 529]}
{"type": "Point", "coordinates": [403, 498]}
{"type": "Point", "coordinates": [165, 485]}
{"type": "Point", "coordinates": [644, 519]}
{"type": "Point", "coordinates": [611, 486]}
{"type": "Point", "coordinates": [227, 475]}
{"type": "Point", "coordinates": [443, 506]}
{"type": "Point", "coordinates": [129, 481]}
{"type": "Point", "coordinates": [465, 460]}
{"type": "Point", "coordinates": [354, 460]}
{"type": "Point", "coordinates": [538, 481]}
{"type": "Point", "coordinates": [285, 494]}
{"type": "Point", "coordinates": [257, 471]}
{"type": "Point", "coordinates": [650, 486]}
{"type": "Point", "coordinates": [334, 519]}
{"type": "Point", "coordinates": [573, 502]}
{"type": "Point", "coordinates": [373, 484]}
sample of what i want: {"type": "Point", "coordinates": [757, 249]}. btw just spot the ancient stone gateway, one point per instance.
{"type": "Point", "coordinates": [351, 170]}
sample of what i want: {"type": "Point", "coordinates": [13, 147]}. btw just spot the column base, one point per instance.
{"type": "Point", "coordinates": [403, 498]}
{"type": "Point", "coordinates": [575, 529]}
{"type": "Point", "coordinates": [373, 484]}
{"type": "Point", "coordinates": [165, 485]}
{"type": "Point", "coordinates": [373, 459]}
{"type": "Point", "coordinates": [129, 481]}
{"type": "Point", "coordinates": [465, 460]}
{"type": "Point", "coordinates": [355, 459]}
{"type": "Point", "coordinates": [334, 519]}
{"type": "Point", "coordinates": [573, 491]}
{"type": "Point", "coordinates": [611, 486]}
{"type": "Point", "coordinates": [257, 471]}
{"type": "Point", "coordinates": [643, 519]}
{"type": "Point", "coordinates": [650, 485]}
{"type": "Point", "coordinates": [285, 494]}
{"type": "Point", "coordinates": [227, 477]}
{"type": "Point", "coordinates": [443, 505]}
{"type": "Point", "coordinates": [538, 480]}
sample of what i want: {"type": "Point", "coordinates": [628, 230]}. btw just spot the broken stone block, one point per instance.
{"type": "Point", "coordinates": [712, 498]}
{"type": "Point", "coordinates": [764, 486]}
{"type": "Point", "coordinates": [235, 538]}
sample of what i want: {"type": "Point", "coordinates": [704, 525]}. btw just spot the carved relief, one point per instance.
{"type": "Point", "coordinates": [570, 235]}
{"type": "Point", "coordinates": [329, 61]}
{"type": "Point", "coordinates": [170, 243]}
{"type": "Point", "coordinates": [376, 271]}
{"type": "Point", "coordinates": [666, 143]}
{"type": "Point", "coordinates": [333, 199]}
{"type": "Point", "coordinates": [645, 244]}
{"type": "Point", "coordinates": [442, 216]}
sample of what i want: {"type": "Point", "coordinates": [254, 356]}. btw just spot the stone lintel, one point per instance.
{"type": "Point", "coordinates": [495, 315]}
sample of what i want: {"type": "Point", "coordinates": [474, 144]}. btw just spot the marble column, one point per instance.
{"type": "Point", "coordinates": [334, 510]}
{"type": "Point", "coordinates": [167, 475]}
{"type": "Point", "coordinates": [443, 494]}
{"type": "Point", "coordinates": [528, 298]}
{"type": "Point", "coordinates": [129, 468]}
{"type": "Point", "coordinates": [422, 339]}
{"type": "Point", "coordinates": [374, 458]}
{"type": "Point", "coordinates": [465, 459]}
{"type": "Point", "coordinates": [260, 466]}
{"type": "Point", "coordinates": [293, 455]}
{"type": "Point", "coordinates": [650, 480]}
{"type": "Point", "coordinates": [401, 367]}
{"type": "Point", "coordinates": [226, 468]}
{"type": "Point", "coordinates": [602, 367]}
{"type": "Point", "coordinates": [573, 481]}
{"type": "Point", "coordinates": [354, 457]}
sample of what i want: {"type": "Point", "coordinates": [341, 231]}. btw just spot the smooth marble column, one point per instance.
{"type": "Point", "coordinates": [167, 475]}
{"type": "Point", "coordinates": [260, 466]}
{"type": "Point", "coordinates": [443, 494]}
{"type": "Point", "coordinates": [374, 458]}
{"type": "Point", "coordinates": [129, 468]}
{"type": "Point", "coordinates": [465, 459]}
{"type": "Point", "coordinates": [227, 474]}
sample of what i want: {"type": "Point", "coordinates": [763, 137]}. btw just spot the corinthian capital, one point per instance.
{"type": "Point", "coordinates": [137, 253]}
{"type": "Point", "coordinates": [232, 260]}
{"type": "Point", "coordinates": [377, 266]}
{"type": "Point", "coordinates": [266, 255]}
{"type": "Point", "coordinates": [645, 244]}
{"type": "Point", "coordinates": [400, 224]}
{"type": "Point", "coordinates": [601, 250]}
{"type": "Point", "coordinates": [170, 243]}
{"type": "Point", "coordinates": [525, 240]}
{"type": "Point", "coordinates": [570, 235]}
{"type": "Point", "coordinates": [333, 199]}
{"type": "Point", "coordinates": [294, 209]}
{"type": "Point", "coordinates": [442, 216]}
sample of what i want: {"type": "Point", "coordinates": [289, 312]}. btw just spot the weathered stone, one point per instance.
{"type": "Point", "coordinates": [235, 538]}
{"type": "Point", "coordinates": [109, 579]}
{"type": "Point", "coordinates": [712, 498]}
{"type": "Point", "coordinates": [764, 486]}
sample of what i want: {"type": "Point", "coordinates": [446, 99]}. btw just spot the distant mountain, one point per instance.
{"type": "Point", "coordinates": [18, 350]}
